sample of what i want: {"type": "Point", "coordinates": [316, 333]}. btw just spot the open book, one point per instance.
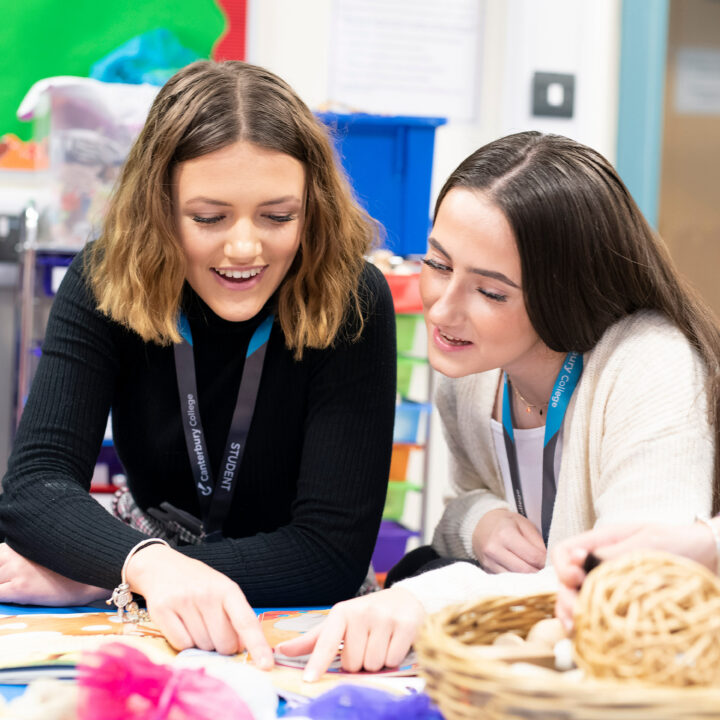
{"type": "Point", "coordinates": [50, 645]}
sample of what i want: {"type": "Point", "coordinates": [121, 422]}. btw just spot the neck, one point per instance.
{"type": "Point", "coordinates": [535, 380]}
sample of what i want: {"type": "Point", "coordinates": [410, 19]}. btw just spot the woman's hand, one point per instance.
{"type": "Point", "coordinates": [25, 582]}
{"type": "Point", "coordinates": [376, 630]}
{"type": "Point", "coordinates": [695, 542]}
{"type": "Point", "coordinates": [505, 541]}
{"type": "Point", "coordinates": [195, 605]}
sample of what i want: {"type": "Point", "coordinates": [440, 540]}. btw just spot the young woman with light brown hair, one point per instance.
{"type": "Point", "coordinates": [227, 318]}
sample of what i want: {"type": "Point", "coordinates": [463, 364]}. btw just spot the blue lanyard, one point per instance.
{"type": "Point", "coordinates": [565, 385]}
{"type": "Point", "coordinates": [215, 498]}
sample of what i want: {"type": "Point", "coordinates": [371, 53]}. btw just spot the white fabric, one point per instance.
{"type": "Point", "coordinates": [529, 448]}
{"type": "Point", "coordinates": [462, 582]}
{"type": "Point", "coordinates": [638, 447]}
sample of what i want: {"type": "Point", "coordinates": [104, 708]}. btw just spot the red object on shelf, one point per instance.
{"type": "Point", "coordinates": [405, 291]}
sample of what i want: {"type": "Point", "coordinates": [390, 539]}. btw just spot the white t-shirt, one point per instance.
{"type": "Point", "coordinates": [529, 448]}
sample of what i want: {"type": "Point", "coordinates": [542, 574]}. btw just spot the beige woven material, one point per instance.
{"type": "Point", "coordinates": [650, 616]}
{"type": "Point", "coordinates": [465, 684]}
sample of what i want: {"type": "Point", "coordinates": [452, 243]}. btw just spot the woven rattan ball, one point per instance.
{"type": "Point", "coordinates": [650, 616]}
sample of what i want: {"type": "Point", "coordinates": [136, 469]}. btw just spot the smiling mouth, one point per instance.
{"type": "Point", "coordinates": [451, 340]}
{"type": "Point", "coordinates": [239, 276]}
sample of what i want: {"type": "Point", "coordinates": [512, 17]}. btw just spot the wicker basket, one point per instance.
{"type": "Point", "coordinates": [464, 684]}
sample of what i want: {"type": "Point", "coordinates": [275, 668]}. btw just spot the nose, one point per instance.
{"type": "Point", "coordinates": [241, 246]}
{"type": "Point", "coordinates": [446, 308]}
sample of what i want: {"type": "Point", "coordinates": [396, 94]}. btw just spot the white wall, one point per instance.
{"type": "Point", "coordinates": [293, 39]}
{"type": "Point", "coordinates": [567, 36]}
{"type": "Point", "coordinates": [519, 37]}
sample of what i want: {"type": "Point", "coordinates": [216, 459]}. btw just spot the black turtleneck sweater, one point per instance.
{"type": "Point", "coordinates": [312, 482]}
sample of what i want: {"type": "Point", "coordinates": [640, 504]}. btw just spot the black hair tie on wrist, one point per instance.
{"type": "Point", "coordinates": [591, 562]}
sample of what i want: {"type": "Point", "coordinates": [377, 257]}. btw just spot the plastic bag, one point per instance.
{"type": "Point", "coordinates": [152, 57]}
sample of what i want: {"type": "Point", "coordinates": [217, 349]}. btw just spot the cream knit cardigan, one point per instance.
{"type": "Point", "coordinates": [637, 447]}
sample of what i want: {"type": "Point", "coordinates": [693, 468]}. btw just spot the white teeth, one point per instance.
{"type": "Point", "coordinates": [238, 274]}
{"type": "Point", "coordinates": [451, 338]}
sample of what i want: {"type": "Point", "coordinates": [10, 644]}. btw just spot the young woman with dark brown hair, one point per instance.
{"type": "Point", "coordinates": [227, 318]}
{"type": "Point", "coordinates": [581, 389]}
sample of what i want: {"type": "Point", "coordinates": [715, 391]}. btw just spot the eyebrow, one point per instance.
{"type": "Point", "coordinates": [278, 201]}
{"type": "Point", "coordinates": [207, 200]}
{"type": "Point", "coordinates": [221, 203]}
{"type": "Point", "coordinates": [477, 271]}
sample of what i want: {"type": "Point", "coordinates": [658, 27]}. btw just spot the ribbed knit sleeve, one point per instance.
{"type": "Point", "coordinates": [463, 582]}
{"type": "Point", "coordinates": [640, 445]}
{"type": "Point", "coordinates": [465, 406]}
{"type": "Point", "coordinates": [46, 513]}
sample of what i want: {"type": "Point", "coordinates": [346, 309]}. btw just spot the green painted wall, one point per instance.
{"type": "Point", "coordinates": [42, 38]}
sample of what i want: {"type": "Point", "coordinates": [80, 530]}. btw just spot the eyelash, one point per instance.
{"type": "Point", "coordinates": [208, 220]}
{"type": "Point", "coordinates": [217, 218]}
{"type": "Point", "coordinates": [493, 296]}
{"type": "Point", "coordinates": [434, 265]}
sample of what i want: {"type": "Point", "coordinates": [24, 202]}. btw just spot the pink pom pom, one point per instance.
{"type": "Point", "coordinates": [118, 682]}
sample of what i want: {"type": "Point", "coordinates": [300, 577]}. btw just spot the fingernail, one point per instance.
{"type": "Point", "coordinates": [309, 676]}
{"type": "Point", "coordinates": [265, 663]}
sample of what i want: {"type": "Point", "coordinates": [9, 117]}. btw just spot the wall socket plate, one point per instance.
{"type": "Point", "coordinates": [553, 95]}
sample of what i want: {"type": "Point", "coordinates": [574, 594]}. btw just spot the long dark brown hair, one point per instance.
{"type": "Point", "coordinates": [588, 257]}
{"type": "Point", "coordinates": [137, 266]}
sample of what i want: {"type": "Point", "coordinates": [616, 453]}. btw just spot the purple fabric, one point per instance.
{"type": "Point", "coordinates": [352, 702]}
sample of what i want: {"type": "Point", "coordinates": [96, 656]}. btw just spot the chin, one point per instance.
{"type": "Point", "coordinates": [452, 369]}
{"type": "Point", "coordinates": [235, 314]}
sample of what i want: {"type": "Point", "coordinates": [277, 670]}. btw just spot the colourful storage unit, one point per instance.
{"type": "Point", "coordinates": [405, 499]}
{"type": "Point", "coordinates": [389, 161]}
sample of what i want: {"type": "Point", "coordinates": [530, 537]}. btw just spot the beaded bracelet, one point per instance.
{"type": "Point", "coordinates": [127, 609]}
{"type": "Point", "coordinates": [716, 536]}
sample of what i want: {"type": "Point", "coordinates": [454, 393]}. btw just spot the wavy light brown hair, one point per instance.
{"type": "Point", "coordinates": [137, 266]}
{"type": "Point", "coordinates": [588, 257]}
